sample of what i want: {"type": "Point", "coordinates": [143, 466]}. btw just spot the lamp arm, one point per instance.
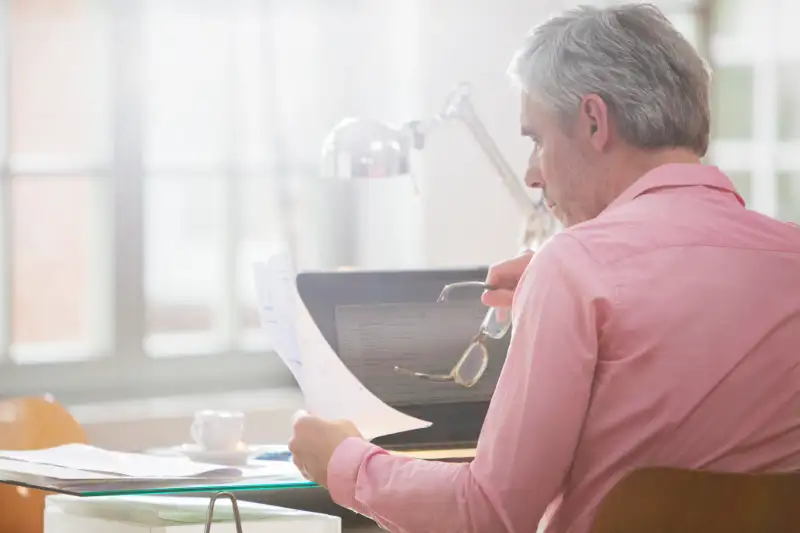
{"type": "Point", "coordinates": [539, 223]}
{"type": "Point", "coordinates": [460, 107]}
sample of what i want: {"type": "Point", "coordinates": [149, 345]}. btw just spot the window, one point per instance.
{"type": "Point", "coordinates": [756, 103]}
{"type": "Point", "coordinates": [150, 151]}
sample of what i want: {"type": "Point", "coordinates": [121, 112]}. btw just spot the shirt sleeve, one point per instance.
{"type": "Point", "coordinates": [531, 429]}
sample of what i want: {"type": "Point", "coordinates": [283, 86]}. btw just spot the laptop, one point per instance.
{"type": "Point", "coordinates": [376, 320]}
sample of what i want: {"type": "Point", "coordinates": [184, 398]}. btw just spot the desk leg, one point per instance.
{"type": "Point", "coordinates": [236, 516]}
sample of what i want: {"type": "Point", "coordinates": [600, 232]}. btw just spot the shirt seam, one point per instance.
{"type": "Point", "coordinates": [614, 306]}
{"type": "Point", "coordinates": [601, 269]}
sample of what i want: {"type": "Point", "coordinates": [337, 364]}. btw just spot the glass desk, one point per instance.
{"type": "Point", "coordinates": [284, 477]}
{"type": "Point", "coordinates": [280, 475]}
{"type": "Point", "coordinates": [124, 488]}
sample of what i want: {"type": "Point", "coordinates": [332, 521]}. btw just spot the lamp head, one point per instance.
{"type": "Point", "coordinates": [358, 148]}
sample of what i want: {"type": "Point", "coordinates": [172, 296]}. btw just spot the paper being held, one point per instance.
{"type": "Point", "coordinates": [329, 388]}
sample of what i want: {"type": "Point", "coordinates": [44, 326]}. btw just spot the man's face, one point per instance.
{"type": "Point", "coordinates": [560, 163]}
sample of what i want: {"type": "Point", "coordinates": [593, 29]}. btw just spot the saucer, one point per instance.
{"type": "Point", "coordinates": [242, 456]}
{"type": "Point", "coordinates": [238, 457]}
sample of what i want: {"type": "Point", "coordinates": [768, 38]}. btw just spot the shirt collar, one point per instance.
{"type": "Point", "coordinates": [677, 175]}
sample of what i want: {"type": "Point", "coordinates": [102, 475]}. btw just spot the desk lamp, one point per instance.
{"type": "Point", "coordinates": [360, 148]}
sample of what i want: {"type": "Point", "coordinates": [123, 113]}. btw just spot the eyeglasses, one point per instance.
{"type": "Point", "coordinates": [470, 368]}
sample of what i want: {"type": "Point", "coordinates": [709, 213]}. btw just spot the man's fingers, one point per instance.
{"type": "Point", "coordinates": [302, 469]}
{"type": "Point", "coordinates": [498, 298]}
{"type": "Point", "coordinates": [302, 413]}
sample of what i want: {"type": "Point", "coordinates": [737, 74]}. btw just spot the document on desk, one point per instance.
{"type": "Point", "coordinates": [79, 468]}
{"type": "Point", "coordinates": [329, 388]}
{"type": "Point", "coordinates": [80, 461]}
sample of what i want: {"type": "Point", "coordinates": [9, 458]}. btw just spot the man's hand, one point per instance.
{"type": "Point", "coordinates": [313, 443]}
{"type": "Point", "coordinates": [505, 276]}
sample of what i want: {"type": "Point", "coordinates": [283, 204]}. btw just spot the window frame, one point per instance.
{"type": "Point", "coordinates": [5, 184]}
{"type": "Point", "coordinates": [119, 367]}
{"type": "Point", "coordinates": [764, 156]}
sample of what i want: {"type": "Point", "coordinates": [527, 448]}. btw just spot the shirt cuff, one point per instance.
{"type": "Point", "coordinates": [343, 470]}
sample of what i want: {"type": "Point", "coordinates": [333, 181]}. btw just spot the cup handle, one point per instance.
{"type": "Point", "coordinates": [196, 432]}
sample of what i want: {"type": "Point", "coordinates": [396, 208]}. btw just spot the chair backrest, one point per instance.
{"type": "Point", "coordinates": [670, 500]}
{"type": "Point", "coordinates": [31, 424]}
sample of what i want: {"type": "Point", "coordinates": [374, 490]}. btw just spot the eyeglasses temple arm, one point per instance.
{"type": "Point", "coordinates": [447, 289]}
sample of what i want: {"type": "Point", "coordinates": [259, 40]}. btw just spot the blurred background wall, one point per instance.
{"type": "Point", "coordinates": [151, 150]}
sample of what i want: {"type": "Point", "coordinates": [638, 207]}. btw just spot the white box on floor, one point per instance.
{"type": "Point", "coordinates": [175, 514]}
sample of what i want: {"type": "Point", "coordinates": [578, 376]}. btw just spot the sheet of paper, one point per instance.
{"type": "Point", "coordinates": [10, 467]}
{"type": "Point", "coordinates": [80, 457]}
{"type": "Point", "coordinates": [329, 388]}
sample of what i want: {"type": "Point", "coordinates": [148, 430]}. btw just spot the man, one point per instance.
{"type": "Point", "coordinates": [661, 327]}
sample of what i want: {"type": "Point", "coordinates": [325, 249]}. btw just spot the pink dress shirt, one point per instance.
{"type": "Point", "coordinates": [664, 332]}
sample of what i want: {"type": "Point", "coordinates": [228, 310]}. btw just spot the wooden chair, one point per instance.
{"type": "Point", "coordinates": [668, 500]}
{"type": "Point", "coordinates": [31, 424]}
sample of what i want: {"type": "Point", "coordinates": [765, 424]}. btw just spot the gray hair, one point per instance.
{"type": "Point", "coordinates": [653, 81]}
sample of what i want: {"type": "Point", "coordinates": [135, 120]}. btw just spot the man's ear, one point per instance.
{"type": "Point", "coordinates": [594, 117]}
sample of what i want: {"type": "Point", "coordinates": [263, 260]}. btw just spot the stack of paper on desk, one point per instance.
{"type": "Point", "coordinates": [80, 467]}
{"type": "Point", "coordinates": [98, 462]}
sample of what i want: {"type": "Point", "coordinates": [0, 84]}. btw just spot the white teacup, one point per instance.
{"type": "Point", "coordinates": [218, 430]}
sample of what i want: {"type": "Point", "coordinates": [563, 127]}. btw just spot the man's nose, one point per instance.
{"type": "Point", "coordinates": [533, 176]}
